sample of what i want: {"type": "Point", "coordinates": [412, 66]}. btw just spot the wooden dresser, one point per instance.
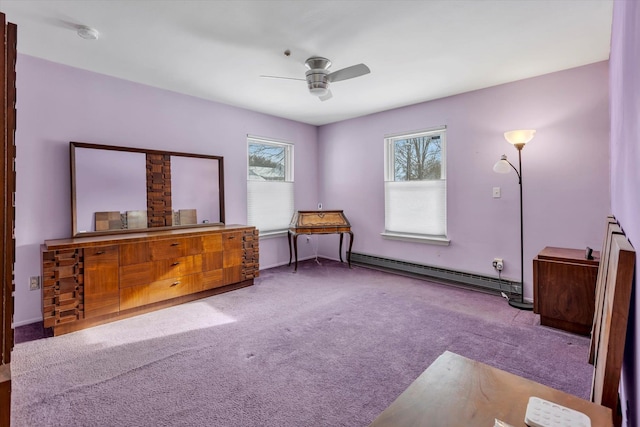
{"type": "Point", "coordinates": [564, 284]}
{"type": "Point", "coordinates": [93, 280]}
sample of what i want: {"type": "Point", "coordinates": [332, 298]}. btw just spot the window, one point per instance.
{"type": "Point", "coordinates": [415, 188]}
{"type": "Point", "coordinates": [269, 185]}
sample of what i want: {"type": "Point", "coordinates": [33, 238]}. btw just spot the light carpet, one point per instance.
{"type": "Point", "coordinates": [326, 346]}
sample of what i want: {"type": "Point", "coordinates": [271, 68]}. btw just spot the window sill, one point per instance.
{"type": "Point", "coordinates": [417, 238]}
{"type": "Point", "coordinates": [271, 234]}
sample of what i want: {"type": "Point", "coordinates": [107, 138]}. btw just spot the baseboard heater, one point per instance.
{"type": "Point", "coordinates": [469, 280]}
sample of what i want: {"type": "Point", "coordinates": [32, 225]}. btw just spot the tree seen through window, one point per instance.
{"type": "Point", "coordinates": [267, 162]}
{"type": "Point", "coordinates": [418, 158]}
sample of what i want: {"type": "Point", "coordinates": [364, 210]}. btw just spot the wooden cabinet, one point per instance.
{"type": "Point", "coordinates": [564, 284]}
{"type": "Point", "coordinates": [101, 284]}
{"type": "Point", "coordinates": [93, 280]}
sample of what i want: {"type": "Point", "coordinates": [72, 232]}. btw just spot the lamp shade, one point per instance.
{"type": "Point", "coordinates": [519, 137]}
{"type": "Point", "coordinates": [502, 165]}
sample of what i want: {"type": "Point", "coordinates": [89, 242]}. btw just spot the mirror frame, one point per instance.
{"type": "Point", "coordinates": [73, 145]}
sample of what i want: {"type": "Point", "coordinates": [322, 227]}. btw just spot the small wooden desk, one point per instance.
{"type": "Point", "coordinates": [456, 391]}
{"type": "Point", "coordinates": [318, 222]}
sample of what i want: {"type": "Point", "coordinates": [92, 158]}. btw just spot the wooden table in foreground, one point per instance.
{"type": "Point", "coordinates": [319, 222]}
{"type": "Point", "coordinates": [456, 391]}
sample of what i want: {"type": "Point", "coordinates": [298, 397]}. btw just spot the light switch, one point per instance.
{"type": "Point", "coordinates": [496, 192]}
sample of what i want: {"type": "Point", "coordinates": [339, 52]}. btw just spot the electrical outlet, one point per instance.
{"type": "Point", "coordinates": [498, 264]}
{"type": "Point", "coordinates": [34, 283]}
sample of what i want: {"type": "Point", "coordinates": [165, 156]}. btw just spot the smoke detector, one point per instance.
{"type": "Point", "coordinates": [88, 33]}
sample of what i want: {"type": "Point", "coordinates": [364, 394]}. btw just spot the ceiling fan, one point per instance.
{"type": "Point", "coordinates": [318, 76]}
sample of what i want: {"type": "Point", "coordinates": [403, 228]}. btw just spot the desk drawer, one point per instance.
{"type": "Point", "coordinates": [161, 290]}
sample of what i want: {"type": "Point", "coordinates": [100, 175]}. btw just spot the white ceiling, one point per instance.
{"type": "Point", "coordinates": [416, 50]}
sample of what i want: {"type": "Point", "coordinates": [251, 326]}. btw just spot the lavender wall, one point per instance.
{"type": "Point", "coordinates": [625, 170]}
{"type": "Point", "coordinates": [57, 104]}
{"type": "Point", "coordinates": [565, 172]}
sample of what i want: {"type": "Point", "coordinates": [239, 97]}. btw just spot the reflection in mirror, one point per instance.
{"type": "Point", "coordinates": [189, 192]}
{"type": "Point", "coordinates": [108, 181]}
{"type": "Point", "coordinates": [121, 189]}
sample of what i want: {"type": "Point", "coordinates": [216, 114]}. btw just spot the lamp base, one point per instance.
{"type": "Point", "coordinates": [521, 305]}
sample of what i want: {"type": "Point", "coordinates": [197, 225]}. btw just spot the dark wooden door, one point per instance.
{"type": "Point", "coordinates": [8, 36]}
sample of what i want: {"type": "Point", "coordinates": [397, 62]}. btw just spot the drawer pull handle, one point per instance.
{"type": "Point", "coordinates": [175, 263]}
{"type": "Point", "coordinates": [175, 244]}
{"type": "Point", "coordinates": [99, 252]}
{"type": "Point", "coordinates": [232, 237]}
{"type": "Point", "coordinates": [175, 283]}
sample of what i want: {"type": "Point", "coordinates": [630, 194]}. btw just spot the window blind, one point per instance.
{"type": "Point", "coordinates": [270, 205]}
{"type": "Point", "coordinates": [416, 207]}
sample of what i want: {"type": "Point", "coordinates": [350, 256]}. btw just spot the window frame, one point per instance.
{"type": "Point", "coordinates": [389, 176]}
{"type": "Point", "coordinates": [289, 178]}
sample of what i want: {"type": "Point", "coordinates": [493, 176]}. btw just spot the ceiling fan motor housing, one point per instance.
{"type": "Point", "coordinates": [317, 79]}
{"type": "Point", "coordinates": [317, 82]}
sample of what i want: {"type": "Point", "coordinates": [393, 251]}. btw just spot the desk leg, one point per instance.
{"type": "Point", "coordinates": [289, 240]}
{"type": "Point", "coordinates": [340, 252]}
{"type": "Point", "coordinates": [295, 249]}
{"type": "Point", "coordinates": [350, 246]}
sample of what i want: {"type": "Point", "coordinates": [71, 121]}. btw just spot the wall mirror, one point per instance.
{"type": "Point", "coordinates": [122, 189]}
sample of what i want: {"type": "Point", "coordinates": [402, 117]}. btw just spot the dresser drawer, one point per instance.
{"type": "Point", "coordinates": [134, 253]}
{"type": "Point", "coordinates": [161, 290]}
{"type": "Point", "coordinates": [175, 248]}
{"type": "Point", "coordinates": [232, 240]}
{"type": "Point", "coordinates": [212, 261]}
{"type": "Point", "coordinates": [212, 279]}
{"type": "Point", "coordinates": [138, 274]}
{"type": "Point", "coordinates": [212, 243]}
{"type": "Point", "coordinates": [102, 254]}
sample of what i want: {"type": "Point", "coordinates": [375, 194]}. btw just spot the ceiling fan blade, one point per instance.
{"type": "Point", "coordinates": [349, 73]}
{"type": "Point", "coordinates": [285, 78]}
{"type": "Point", "coordinates": [326, 96]}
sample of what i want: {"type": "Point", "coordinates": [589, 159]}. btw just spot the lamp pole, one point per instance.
{"type": "Point", "coordinates": [521, 304]}
{"type": "Point", "coordinates": [518, 138]}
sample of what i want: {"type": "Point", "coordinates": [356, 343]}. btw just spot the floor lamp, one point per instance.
{"type": "Point", "coordinates": [518, 138]}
